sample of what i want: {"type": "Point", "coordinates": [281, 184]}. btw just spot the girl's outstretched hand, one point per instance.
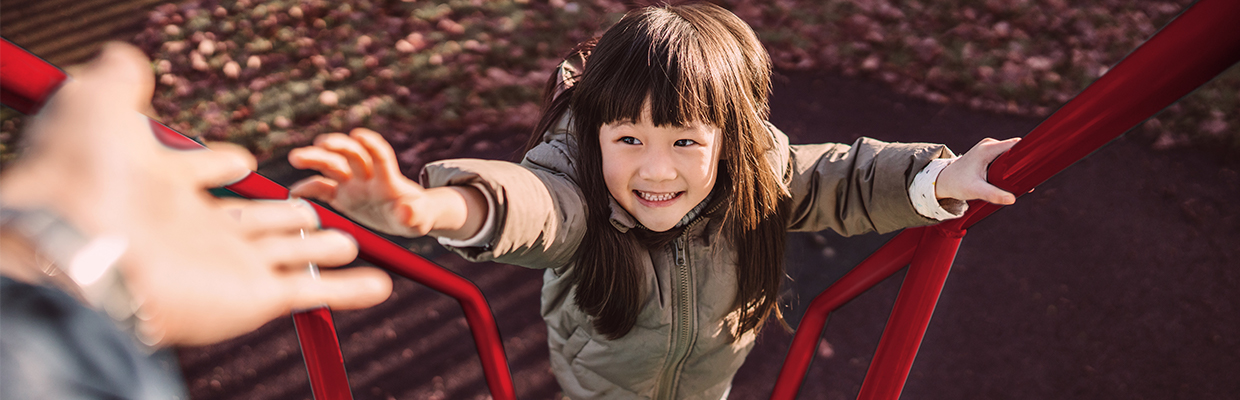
{"type": "Point", "coordinates": [965, 178]}
{"type": "Point", "coordinates": [361, 179]}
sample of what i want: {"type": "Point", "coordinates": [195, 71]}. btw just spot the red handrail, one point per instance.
{"type": "Point", "coordinates": [27, 81]}
{"type": "Point", "coordinates": [1191, 50]}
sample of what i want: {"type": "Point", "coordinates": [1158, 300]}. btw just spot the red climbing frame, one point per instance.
{"type": "Point", "coordinates": [1194, 48]}
{"type": "Point", "coordinates": [1191, 50]}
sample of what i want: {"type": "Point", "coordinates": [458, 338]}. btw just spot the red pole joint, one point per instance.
{"type": "Point", "coordinates": [878, 266]}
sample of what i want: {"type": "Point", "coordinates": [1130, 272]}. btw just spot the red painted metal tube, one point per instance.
{"type": "Point", "coordinates": [1191, 50]}
{"type": "Point", "coordinates": [878, 266]}
{"type": "Point", "coordinates": [1194, 48]}
{"type": "Point", "coordinates": [28, 81]}
{"type": "Point", "coordinates": [372, 248]}
{"type": "Point", "coordinates": [911, 315]}
{"type": "Point", "coordinates": [321, 350]}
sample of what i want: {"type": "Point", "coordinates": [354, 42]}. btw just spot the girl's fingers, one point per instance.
{"type": "Point", "coordinates": [271, 216]}
{"type": "Point", "coordinates": [325, 248]}
{"type": "Point", "coordinates": [315, 187]}
{"type": "Point", "coordinates": [380, 151]}
{"type": "Point", "coordinates": [358, 158]}
{"type": "Point", "coordinates": [344, 289]}
{"type": "Point", "coordinates": [992, 149]}
{"type": "Point", "coordinates": [993, 194]}
{"type": "Point", "coordinates": [331, 164]}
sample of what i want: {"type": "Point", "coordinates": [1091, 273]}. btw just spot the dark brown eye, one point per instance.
{"type": "Point", "coordinates": [630, 140]}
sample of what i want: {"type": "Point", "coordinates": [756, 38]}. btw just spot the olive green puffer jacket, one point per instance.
{"type": "Point", "coordinates": [682, 346]}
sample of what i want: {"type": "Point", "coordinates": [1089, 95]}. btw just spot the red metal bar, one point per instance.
{"type": "Point", "coordinates": [1191, 50]}
{"type": "Point", "coordinates": [27, 90]}
{"type": "Point", "coordinates": [372, 248]}
{"type": "Point", "coordinates": [321, 350]}
{"type": "Point", "coordinates": [878, 266]}
{"type": "Point", "coordinates": [911, 314]}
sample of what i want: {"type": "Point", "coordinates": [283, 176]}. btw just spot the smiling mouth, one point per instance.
{"type": "Point", "coordinates": [657, 197]}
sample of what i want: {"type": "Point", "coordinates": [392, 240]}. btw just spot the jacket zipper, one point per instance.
{"type": "Point", "coordinates": [684, 334]}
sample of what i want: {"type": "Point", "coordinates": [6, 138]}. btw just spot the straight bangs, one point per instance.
{"type": "Point", "coordinates": [663, 58]}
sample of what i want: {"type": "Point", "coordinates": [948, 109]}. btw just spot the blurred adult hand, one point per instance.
{"type": "Point", "coordinates": [205, 269]}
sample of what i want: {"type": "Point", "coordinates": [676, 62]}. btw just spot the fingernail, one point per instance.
{"type": "Point", "coordinates": [304, 204]}
{"type": "Point", "coordinates": [346, 235]}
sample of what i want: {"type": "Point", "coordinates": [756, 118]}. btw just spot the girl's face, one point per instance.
{"type": "Point", "coordinates": [658, 174]}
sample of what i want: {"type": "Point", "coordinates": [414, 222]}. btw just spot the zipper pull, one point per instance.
{"type": "Point", "coordinates": [680, 251]}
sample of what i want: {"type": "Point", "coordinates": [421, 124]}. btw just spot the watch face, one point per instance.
{"type": "Point", "coordinates": [89, 262]}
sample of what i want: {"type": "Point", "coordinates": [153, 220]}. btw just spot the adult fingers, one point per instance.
{"type": "Point", "coordinates": [358, 158]}
{"type": "Point", "coordinates": [251, 163]}
{"type": "Point", "coordinates": [216, 168]}
{"type": "Point", "coordinates": [344, 289]}
{"type": "Point", "coordinates": [315, 187]}
{"type": "Point", "coordinates": [325, 248]}
{"type": "Point", "coordinates": [271, 216]}
{"type": "Point", "coordinates": [93, 108]}
{"type": "Point", "coordinates": [123, 72]}
{"type": "Point", "coordinates": [329, 163]}
{"type": "Point", "coordinates": [380, 151]}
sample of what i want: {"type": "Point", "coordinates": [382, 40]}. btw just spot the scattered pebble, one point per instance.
{"type": "Point", "coordinates": [328, 98]}
{"type": "Point", "coordinates": [232, 69]}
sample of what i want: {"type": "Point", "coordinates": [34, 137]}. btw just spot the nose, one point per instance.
{"type": "Point", "coordinates": [657, 166]}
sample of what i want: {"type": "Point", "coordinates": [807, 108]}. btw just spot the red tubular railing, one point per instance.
{"type": "Point", "coordinates": [1191, 50]}
{"type": "Point", "coordinates": [26, 82]}
{"type": "Point", "coordinates": [316, 334]}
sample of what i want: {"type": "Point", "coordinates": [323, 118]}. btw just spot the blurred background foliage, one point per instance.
{"type": "Point", "coordinates": [437, 76]}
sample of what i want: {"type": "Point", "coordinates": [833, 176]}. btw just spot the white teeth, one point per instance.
{"type": "Point", "coordinates": [656, 196]}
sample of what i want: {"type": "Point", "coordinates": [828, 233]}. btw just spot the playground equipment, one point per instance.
{"type": "Point", "coordinates": [1191, 50]}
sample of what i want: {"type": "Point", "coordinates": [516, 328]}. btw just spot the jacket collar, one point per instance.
{"type": "Point", "coordinates": [620, 218]}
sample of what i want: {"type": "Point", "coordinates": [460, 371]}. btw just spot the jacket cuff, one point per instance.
{"type": "Point", "coordinates": [922, 193]}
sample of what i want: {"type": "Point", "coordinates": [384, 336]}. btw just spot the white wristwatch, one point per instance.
{"type": "Point", "coordinates": [90, 262]}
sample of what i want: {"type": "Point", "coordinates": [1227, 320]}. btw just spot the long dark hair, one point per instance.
{"type": "Point", "coordinates": [693, 63]}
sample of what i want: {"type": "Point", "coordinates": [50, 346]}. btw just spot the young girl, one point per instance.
{"type": "Point", "coordinates": [656, 197]}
